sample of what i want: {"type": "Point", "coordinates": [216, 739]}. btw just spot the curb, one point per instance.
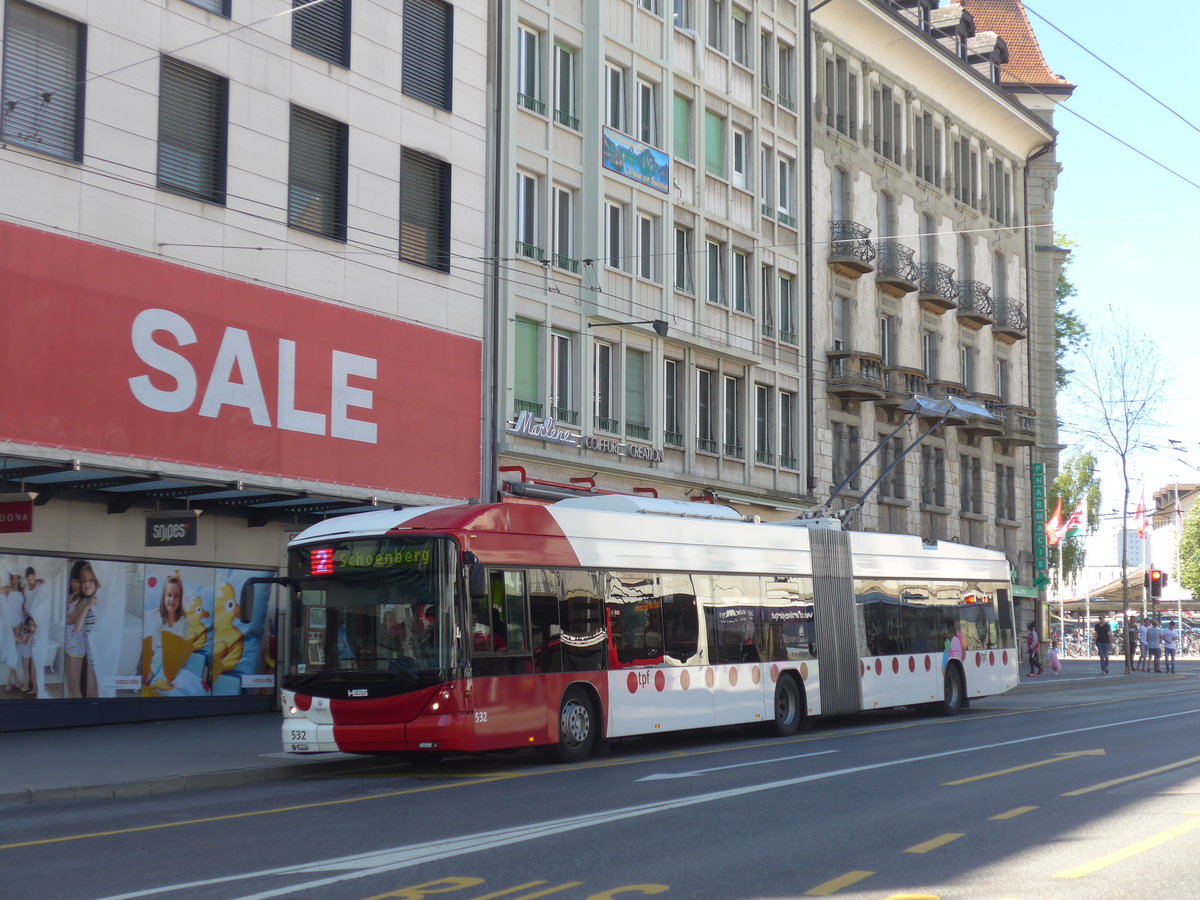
{"type": "Point", "coordinates": [197, 781]}
{"type": "Point", "coordinates": [1053, 683]}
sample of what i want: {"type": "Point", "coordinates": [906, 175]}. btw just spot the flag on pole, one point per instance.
{"type": "Point", "coordinates": [1139, 519]}
{"type": "Point", "coordinates": [1078, 520]}
{"type": "Point", "coordinates": [1054, 525]}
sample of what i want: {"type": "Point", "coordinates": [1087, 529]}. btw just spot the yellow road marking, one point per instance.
{"type": "Point", "coordinates": [1132, 850]}
{"type": "Point", "coordinates": [1057, 758]}
{"type": "Point", "coordinates": [913, 897]}
{"type": "Point", "coordinates": [940, 841]}
{"type": "Point", "coordinates": [1013, 813]}
{"type": "Point", "coordinates": [836, 884]}
{"type": "Point", "coordinates": [1133, 777]}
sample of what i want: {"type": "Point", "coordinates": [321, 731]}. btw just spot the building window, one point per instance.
{"type": "Point", "coordinates": [526, 377]}
{"type": "Point", "coordinates": [42, 106]}
{"type": "Point", "coordinates": [647, 229]}
{"type": "Point", "coordinates": [839, 195]}
{"type": "Point", "coordinates": [999, 275]}
{"type": "Point", "coordinates": [528, 232]}
{"type": "Point", "coordinates": [192, 130]}
{"type": "Point", "coordinates": [614, 96]}
{"type": "Point", "coordinates": [787, 192]}
{"type": "Point", "coordinates": [732, 417]}
{"type": "Point", "coordinates": [841, 104]}
{"type": "Point", "coordinates": [929, 252]}
{"type": "Point", "coordinates": [785, 92]}
{"type": "Point", "coordinates": [1003, 367]}
{"type": "Point", "coordinates": [966, 175]}
{"type": "Point", "coordinates": [929, 355]}
{"type": "Point", "coordinates": [1000, 192]}
{"type": "Point", "coordinates": [564, 230]}
{"type": "Point", "coordinates": [705, 437]}
{"type": "Point", "coordinates": [714, 25]}
{"type": "Point", "coordinates": [683, 128]}
{"type": "Point", "coordinates": [740, 38]}
{"type": "Point", "coordinates": [1006, 492]}
{"type": "Point", "coordinates": [647, 110]}
{"type": "Point", "coordinates": [843, 323]}
{"type": "Point", "coordinates": [927, 148]}
{"type": "Point", "coordinates": [887, 115]}
{"type": "Point", "coordinates": [603, 383]}
{"type": "Point", "coordinates": [740, 145]}
{"type": "Point", "coordinates": [614, 235]}
{"type": "Point", "coordinates": [672, 403]}
{"type": "Point", "coordinates": [966, 258]}
{"type": "Point", "coordinates": [933, 476]}
{"type": "Point", "coordinates": [529, 70]}
{"type": "Point", "coordinates": [787, 309]}
{"type": "Point", "coordinates": [766, 62]}
{"type": "Point", "coordinates": [887, 340]}
{"type": "Point", "coordinates": [766, 184]}
{"type": "Point", "coordinates": [649, 5]}
{"type": "Point", "coordinates": [637, 422]}
{"type": "Point", "coordinates": [424, 210]}
{"type": "Point", "coordinates": [970, 356]}
{"type": "Point", "coordinates": [739, 276]}
{"type": "Point", "coordinates": [317, 174]}
{"type": "Point", "coordinates": [845, 454]}
{"type": "Point", "coordinates": [766, 300]}
{"type": "Point", "coordinates": [323, 29]}
{"type": "Point", "coordinates": [683, 259]}
{"type": "Point", "coordinates": [562, 378]}
{"type": "Point", "coordinates": [787, 430]}
{"type": "Point", "coordinates": [714, 272]}
{"type": "Point", "coordinates": [714, 144]}
{"type": "Point", "coordinates": [683, 13]}
{"type": "Point", "coordinates": [428, 52]}
{"type": "Point", "coordinates": [892, 452]}
{"type": "Point", "coordinates": [763, 449]}
{"type": "Point", "coordinates": [970, 484]}
{"type": "Point", "coordinates": [220, 7]}
{"type": "Point", "coordinates": [564, 87]}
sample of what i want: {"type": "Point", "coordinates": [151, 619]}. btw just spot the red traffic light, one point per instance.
{"type": "Point", "coordinates": [1156, 574]}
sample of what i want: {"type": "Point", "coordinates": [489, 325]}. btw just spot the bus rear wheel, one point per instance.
{"type": "Point", "coordinates": [789, 709]}
{"type": "Point", "coordinates": [953, 693]}
{"type": "Point", "coordinates": [576, 726]}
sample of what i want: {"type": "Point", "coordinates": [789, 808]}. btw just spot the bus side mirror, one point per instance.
{"type": "Point", "coordinates": [476, 581]}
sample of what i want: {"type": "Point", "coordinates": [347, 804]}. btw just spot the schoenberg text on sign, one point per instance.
{"type": "Point", "coordinates": [528, 425]}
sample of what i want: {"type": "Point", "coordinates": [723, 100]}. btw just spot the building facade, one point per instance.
{"type": "Point", "coordinates": [652, 258]}
{"type": "Point", "coordinates": [934, 268]}
{"type": "Point", "coordinates": [240, 245]}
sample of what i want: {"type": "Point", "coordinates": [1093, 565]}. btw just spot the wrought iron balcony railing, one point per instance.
{"type": "Point", "coordinates": [530, 251]}
{"type": "Point", "coordinates": [938, 290]}
{"type": "Point", "coordinates": [704, 445]}
{"type": "Point", "coordinates": [975, 302]}
{"type": "Point", "coordinates": [854, 375]}
{"type": "Point", "coordinates": [850, 247]}
{"type": "Point", "coordinates": [529, 406]}
{"type": "Point", "coordinates": [637, 432]}
{"type": "Point", "coordinates": [1011, 323]}
{"type": "Point", "coordinates": [897, 269]}
{"type": "Point", "coordinates": [603, 423]}
{"type": "Point", "coordinates": [672, 439]}
{"type": "Point", "coordinates": [533, 104]}
{"type": "Point", "coordinates": [564, 415]}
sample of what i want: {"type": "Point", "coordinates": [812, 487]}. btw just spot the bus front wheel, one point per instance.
{"type": "Point", "coordinates": [576, 726]}
{"type": "Point", "coordinates": [789, 708]}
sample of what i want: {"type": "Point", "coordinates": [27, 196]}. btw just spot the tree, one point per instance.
{"type": "Point", "coordinates": [1076, 481]}
{"type": "Point", "coordinates": [1189, 551]}
{"type": "Point", "coordinates": [1116, 393]}
{"type": "Point", "coordinates": [1069, 330]}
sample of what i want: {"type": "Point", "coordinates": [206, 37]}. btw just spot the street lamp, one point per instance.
{"type": "Point", "coordinates": [659, 325]}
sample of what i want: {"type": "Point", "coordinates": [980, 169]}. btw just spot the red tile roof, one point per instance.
{"type": "Point", "coordinates": [1026, 65]}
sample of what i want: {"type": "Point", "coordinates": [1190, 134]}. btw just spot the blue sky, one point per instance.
{"type": "Point", "coordinates": [1136, 224]}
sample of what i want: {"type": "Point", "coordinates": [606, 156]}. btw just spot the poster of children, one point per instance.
{"type": "Point", "coordinates": [243, 655]}
{"type": "Point", "coordinates": [103, 628]}
{"type": "Point", "coordinates": [31, 626]}
{"type": "Point", "coordinates": [177, 616]}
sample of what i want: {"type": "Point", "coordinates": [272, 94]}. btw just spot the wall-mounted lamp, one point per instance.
{"type": "Point", "coordinates": [18, 497]}
{"type": "Point", "coordinates": [659, 325]}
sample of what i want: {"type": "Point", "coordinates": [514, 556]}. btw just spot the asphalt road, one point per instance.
{"type": "Point", "coordinates": [1079, 792]}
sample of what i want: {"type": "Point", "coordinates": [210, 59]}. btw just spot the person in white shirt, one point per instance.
{"type": "Point", "coordinates": [1153, 646]}
{"type": "Point", "coordinates": [1143, 627]}
{"type": "Point", "coordinates": [1170, 641]}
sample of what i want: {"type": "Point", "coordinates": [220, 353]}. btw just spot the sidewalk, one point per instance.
{"type": "Point", "coordinates": [106, 761]}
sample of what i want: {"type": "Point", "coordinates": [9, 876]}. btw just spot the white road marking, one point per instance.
{"type": "Point", "coordinates": [379, 862]}
{"type": "Point", "coordinates": [662, 776]}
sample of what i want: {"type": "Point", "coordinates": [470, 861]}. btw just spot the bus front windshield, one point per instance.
{"type": "Point", "coordinates": [377, 609]}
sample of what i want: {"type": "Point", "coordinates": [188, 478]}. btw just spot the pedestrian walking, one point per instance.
{"type": "Point", "coordinates": [1103, 642]}
{"type": "Point", "coordinates": [1170, 642]}
{"type": "Point", "coordinates": [1052, 660]}
{"type": "Point", "coordinates": [1143, 627]}
{"type": "Point", "coordinates": [1031, 641]}
{"type": "Point", "coordinates": [1153, 646]}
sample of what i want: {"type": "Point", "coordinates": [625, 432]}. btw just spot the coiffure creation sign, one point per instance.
{"type": "Point", "coordinates": [120, 354]}
{"type": "Point", "coordinates": [528, 425]}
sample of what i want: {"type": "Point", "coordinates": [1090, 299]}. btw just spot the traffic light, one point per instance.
{"type": "Point", "coordinates": [1156, 579]}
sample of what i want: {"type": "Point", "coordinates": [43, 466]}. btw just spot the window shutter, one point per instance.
{"type": "Point", "coordinates": [317, 175]}
{"type": "Point", "coordinates": [43, 87]}
{"type": "Point", "coordinates": [525, 361]}
{"type": "Point", "coordinates": [323, 29]}
{"type": "Point", "coordinates": [191, 131]}
{"type": "Point", "coordinates": [428, 51]}
{"type": "Point", "coordinates": [424, 210]}
{"type": "Point", "coordinates": [635, 387]}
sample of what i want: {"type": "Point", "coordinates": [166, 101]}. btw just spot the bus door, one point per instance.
{"type": "Point", "coordinates": [837, 622]}
{"type": "Point", "coordinates": [734, 619]}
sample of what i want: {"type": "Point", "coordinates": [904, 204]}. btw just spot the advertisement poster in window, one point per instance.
{"type": "Point", "coordinates": [32, 622]}
{"type": "Point", "coordinates": [103, 637]}
{"type": "Point", "coordinates": [244, 633]}
{"type": "Point", "coordinates": [177, 619]}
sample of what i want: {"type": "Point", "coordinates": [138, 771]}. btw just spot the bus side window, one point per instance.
{"type": "Point", "coordinates": [545, 631]}
{"type": "Point", "coordinates": [581, 617]}
{"type": "Point", "coordinates": [681, 627]}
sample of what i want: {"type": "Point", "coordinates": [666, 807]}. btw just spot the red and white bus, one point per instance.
{"type": "Point", "coordinates": [491, 626]}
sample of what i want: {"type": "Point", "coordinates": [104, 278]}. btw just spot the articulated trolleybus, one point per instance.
{"type": "Point", "coordinates": [493, 626]}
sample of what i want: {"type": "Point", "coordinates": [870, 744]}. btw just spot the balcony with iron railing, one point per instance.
{"type": "Point", "coordinates": [733, 451]}
{"type": "Point", "coordinates": [851, 251]}
{"type": "Point", "coordinates": [530, 251]}
{"type": "Point", "coordinates": [566, 263]}
{"type": "Point", "coordinates": [1018, 426]}
{"type": "Point", "coordinates": [980, 427]}
{"type": "Point", "coordinates": [706, 445]}
{"type": "Point", "coordinates": [529, 406]}
{"type": "Point", "coordinates": [1011, 324]}
{"type": "Point", "coordinates": [975, 307]}
{"type": "Point", "coordinates": [603, 423]}
{"type": "Point", "coordinates": [533, 104]}
{"type": "Point", "coordinates": [854, 376]}
{"type": "Point", "coordinates": [897, 272]}
{"type": "Point", "coordinates": [900, 383]}
{"type": "Point", "coordinates": [564, 415]}
{"type": "Point", "coordinates": [673, 439]}
{"type": "Point", "coordinates": [764, 457]}
{"type": "Point", "coordinates": [637, 432]}
{"type": "Point", "coordinates": [937, 291]}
